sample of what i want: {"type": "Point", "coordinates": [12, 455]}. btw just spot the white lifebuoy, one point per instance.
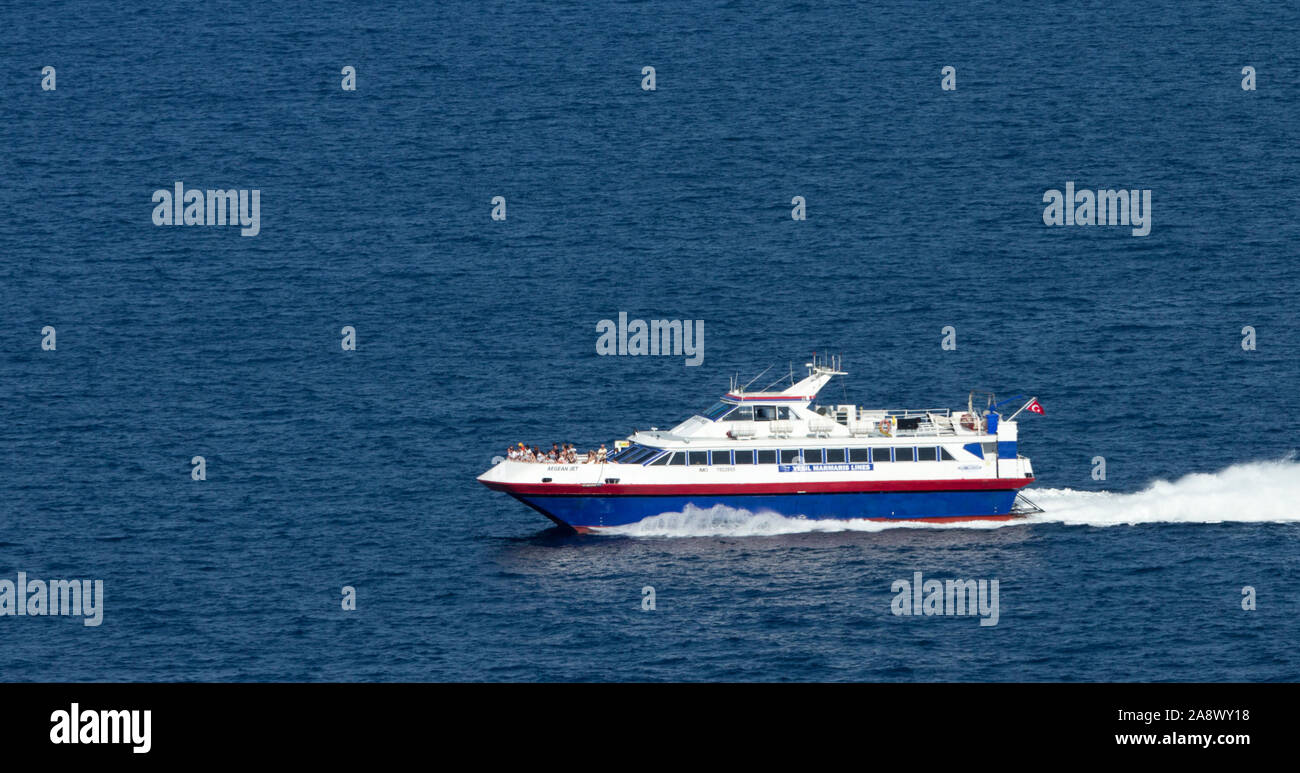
{"type": "Point", "coordinates": [885, 426]}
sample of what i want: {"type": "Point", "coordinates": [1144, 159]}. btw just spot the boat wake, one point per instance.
{"type": "Point", "coordinates": [1264, 492]}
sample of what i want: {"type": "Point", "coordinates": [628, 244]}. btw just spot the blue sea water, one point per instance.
{"type": "Point", "coordinates": [328, 468]}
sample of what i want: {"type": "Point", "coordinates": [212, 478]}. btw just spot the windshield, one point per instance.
{"type": "Point", "coordinates": [718, 410]}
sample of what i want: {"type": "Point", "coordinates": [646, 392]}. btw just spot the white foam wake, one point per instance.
{"type": "Point", "coordinates": [1250, 492]}
{"type": "Point", "coordinates": [1255, 491]}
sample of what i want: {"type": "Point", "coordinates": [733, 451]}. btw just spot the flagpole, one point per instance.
{"type": "Point", "coordinates": [1027, 404]}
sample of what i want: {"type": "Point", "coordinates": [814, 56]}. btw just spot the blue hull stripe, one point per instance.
{"type": "Point", "coordinates": [592, 511]}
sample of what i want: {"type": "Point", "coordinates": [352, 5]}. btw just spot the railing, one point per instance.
{"type": "Point", "coordinates": [925, 431]}
{"type": "Point", "coordinates": [934, 421]}
{"type": "Point", "coordinates": [934, 425]}
{"type": "Point", "coordinates": [908, 413]}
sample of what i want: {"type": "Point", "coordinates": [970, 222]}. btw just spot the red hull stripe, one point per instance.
{"type": "Point", "coordinates": [941, 519]}
{"type": "Point", "coordinates": [807, 487]}
{"type": "Point", "coordinates": [769, 398]}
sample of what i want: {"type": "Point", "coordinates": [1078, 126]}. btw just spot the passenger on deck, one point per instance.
{"type": "Point", "coordinates": [601, 453]}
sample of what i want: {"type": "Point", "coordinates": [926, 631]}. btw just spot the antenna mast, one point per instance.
{"type": "Point", "coordinates": [755, 378]}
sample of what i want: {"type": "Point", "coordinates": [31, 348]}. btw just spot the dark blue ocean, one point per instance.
{"type": "Point", "coordinates": [328, 468]}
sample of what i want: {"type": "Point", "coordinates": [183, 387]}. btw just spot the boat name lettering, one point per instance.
{"type": "Point", "coordinates": [824, 467]}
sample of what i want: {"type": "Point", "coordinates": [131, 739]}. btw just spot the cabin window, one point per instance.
{"type": "Point", "coordinates": [783, 412]}
{"type": "Point", "coordinates": [990, 450]}
{"type": "Point", "coordinates": [721, 457]}
{"type": "Point", "coordinates": [812, 456]}
{"type": "Point", "coordinates": [744, 457]}
{"type": "Point", "coordinates": [789, 455]}
{"type": "Point", "coordinates": [743, 413]}
{"type": "Point", "coordinates": [859, 454]}
{"type": "Point", "coordinates": [625, 455]}
{"type": "Point", "coordinates": [764, 412]}
{"type": "Point", "coordinates": [632, 454]}
{"type": "Point", "coordinates": [644, 455]}
{"type": "Point", "coordinates": [834, 455]}
{"type": "Point", "coordinates": [766, 456]}
{"type": "Point", "coordinates": [945, 456]}
{"type": "Point", "coordinates": [699, 458]}
{"type": "Point", "coordinates": [879, 455]}
{"type": "Point", "coordinates": [927, 454]}
{"type": "Point", "coordinates": [904, 454]}
{"type": "Point", "coordinates": [718, 411]}
{"type": "Point", "coordinates": [661, 460]}
{"type": "Point", "coordinates": [678, 459]}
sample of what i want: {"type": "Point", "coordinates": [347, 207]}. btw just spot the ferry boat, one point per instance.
{"type": "Point", "coordinates": [777, 451]}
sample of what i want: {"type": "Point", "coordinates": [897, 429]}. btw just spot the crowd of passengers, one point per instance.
{"type": "Point", "coordinates": [559, 454]}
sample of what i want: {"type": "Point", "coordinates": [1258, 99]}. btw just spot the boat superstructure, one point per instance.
{"type": "Point", "coordinates": [775, 450]}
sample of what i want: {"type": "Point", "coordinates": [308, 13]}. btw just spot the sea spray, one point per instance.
{"type": "Point", "coordinates": [1248, 492]}
{"type": "Point", "coordinates": [1251, 492]}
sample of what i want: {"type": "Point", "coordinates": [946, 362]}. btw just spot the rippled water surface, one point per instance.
{"type": "Point", "coordinates": [328, 468]}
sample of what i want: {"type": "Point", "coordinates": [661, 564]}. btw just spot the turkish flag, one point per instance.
{"type": "Point", "coordinates": [1034, 407]}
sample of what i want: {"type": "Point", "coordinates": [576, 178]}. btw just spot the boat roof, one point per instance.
{"type": "Point", "coordinates": [803, 391]}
